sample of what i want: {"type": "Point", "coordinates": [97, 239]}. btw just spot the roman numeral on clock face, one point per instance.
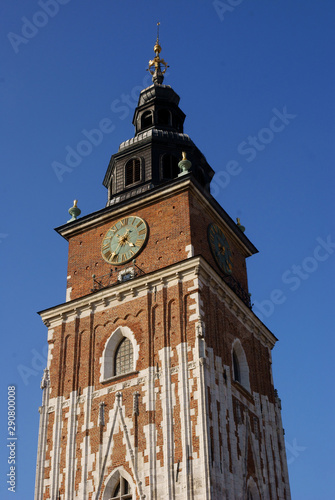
{"type": "Point", "coordinates": [107, 255]}
{"type": "Point", "coordinates": [138, 243]}
{"type": "Point", "coordinates": [124, 222]}
{"type": "Point", "coordinates": [105, 244]}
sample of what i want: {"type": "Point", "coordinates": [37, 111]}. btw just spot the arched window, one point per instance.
{"type": "Point", "coordinates": [132, 171]}
{"type": "Point", "coordinates": [164, 117]}
{"type": "Point", "coordinates": [119, 486]}
{"type": "Point", "coordinates": [120, 354]}
{"type": "Point", "coordinates": [170, 168]}
{"type": "Point", "coordinates": [122, 490]}
{"type": "Point", "coordinates": [236, 368]}
{"type": "Point", "coordinates": [146, 120]}
{"type": "Point", "coordinates": [240, 365]}
{"type": "Point", "coordinates": [250, 497]}
{"type": "Point", "coordinates": [123, 361]}
{"type": "Point", "coordinates": [252, 490]}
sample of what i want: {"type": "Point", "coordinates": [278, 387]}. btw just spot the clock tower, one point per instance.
{"type": "Point", "coordinates": [159, 382]}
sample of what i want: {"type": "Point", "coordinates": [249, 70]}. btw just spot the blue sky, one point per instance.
{"type": "Point", "coordinates": [256, 81]}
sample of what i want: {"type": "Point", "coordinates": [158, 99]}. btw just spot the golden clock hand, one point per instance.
{"type": "Point", "coordinates": [116, 250]}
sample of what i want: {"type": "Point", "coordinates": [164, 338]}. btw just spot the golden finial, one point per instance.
{"type": "Point", "coordinates": [157, 47]}
{"type": "Point", "coordinates": [155, 65]}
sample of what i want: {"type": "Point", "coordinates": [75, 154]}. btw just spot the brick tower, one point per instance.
{"type": "Point", "coordinates": [158, 383]}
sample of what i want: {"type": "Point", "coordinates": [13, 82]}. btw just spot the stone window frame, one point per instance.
{"type": "Point", "coordinates": [107, 359]}
{"type": "Point", "coordinates": [252, 490]}
{"type": "Point", "coordinates": [238, 357]}
{"type": "Point", "coordinates": [117, 476]}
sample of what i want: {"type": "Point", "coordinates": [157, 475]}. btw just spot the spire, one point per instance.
{"type": "Point", "coordinates": [155, 65]}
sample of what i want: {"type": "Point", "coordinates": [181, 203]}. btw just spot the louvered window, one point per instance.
{"type": "Point", "coordinates": [133, 171]}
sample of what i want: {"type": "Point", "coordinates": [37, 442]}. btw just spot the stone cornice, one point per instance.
{"type": "Point", "coordinates": [184, 270]}
{"type": "Point", "coordinates": [195, 267]}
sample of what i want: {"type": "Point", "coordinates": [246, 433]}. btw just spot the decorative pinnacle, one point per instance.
{"type": "Point", "coordinates": [155, 65]}
{"type": "Point", "coordinates": [184, 165]}
{"type": "Point", "coordinates": [74, 211]}
{"type": "Point", "coordinates": [240, 225]}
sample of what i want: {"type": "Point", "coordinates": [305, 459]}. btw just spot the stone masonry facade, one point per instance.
{"type": "Point", "coordinates": [178, 425]}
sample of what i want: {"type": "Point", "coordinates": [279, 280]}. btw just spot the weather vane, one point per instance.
{"type": "Point", "coordinates": [156, 64]}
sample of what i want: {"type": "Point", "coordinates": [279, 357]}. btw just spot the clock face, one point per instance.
{"type": "Point", "coordinates": [220, 248]}
{"type": "Point", "coordinates": [124, 240]}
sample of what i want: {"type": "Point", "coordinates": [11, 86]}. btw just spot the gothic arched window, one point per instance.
{"type": "Point", "coordinates": [132, 171]}
{"type": "Point", "coordinates": [119, 355]}
{"type": "Point", "coordinates": [119, 486]}
{"type": "Point", "coordinates": [240, 365]}
{"type": "Point", "coordinates": [236, 368]}
{"type": "Point", "coordinates": [122, 490]}
{"type": "Point", "coordinates": [250, 497]}
{"type": "Point", "coordinates": [252, 490]}
{"type": "Point", "coordinates": [170, 168]}
{"type": "Point", "coordinates": [123, 361]}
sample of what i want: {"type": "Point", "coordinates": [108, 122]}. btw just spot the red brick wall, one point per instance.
{"type": "Point", "coordinates": [174, 223]}
{"type": "Point", "coordinates": [200, 220]}
{"type": "Point", "coordinates": [169, 234]}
